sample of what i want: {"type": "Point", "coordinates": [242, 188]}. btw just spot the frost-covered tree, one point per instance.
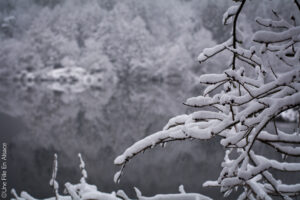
{"type": "Point", "coordinates": [241, 105]}
{"type": "Point", "coordinates": [132, 39]}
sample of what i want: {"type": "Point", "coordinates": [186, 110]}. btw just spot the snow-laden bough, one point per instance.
{"type": "Point", "coordinates": [261, 82]}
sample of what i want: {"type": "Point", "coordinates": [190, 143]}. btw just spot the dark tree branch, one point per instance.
{"type": "Point", "coordinates": [234, 32]}
{"type": "Point", "coordinates": [298, 4]}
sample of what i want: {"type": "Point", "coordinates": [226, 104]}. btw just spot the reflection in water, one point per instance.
{"type": "Point", "coordinates": [101, 123]}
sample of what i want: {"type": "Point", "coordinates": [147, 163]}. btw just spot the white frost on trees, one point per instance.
{"type": "Point", "coordinates": [261, 82]}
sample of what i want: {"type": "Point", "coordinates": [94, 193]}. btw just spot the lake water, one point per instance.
{"type": "Point", "coordinates": [101, 123]}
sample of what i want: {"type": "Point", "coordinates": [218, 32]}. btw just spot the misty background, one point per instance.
{"type": "Point", "coordinates": [93, 77]}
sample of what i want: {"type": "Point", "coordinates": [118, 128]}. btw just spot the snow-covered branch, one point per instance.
{"type": "Point", "coordinates": [262, 82]}
{"type": "Point", "coordinates": [85, 191]}
{"type": "Point", "coordinates": [53, 183]}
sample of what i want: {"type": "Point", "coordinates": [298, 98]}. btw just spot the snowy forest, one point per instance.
{"type": "Point", "coordinates": [150, 100]}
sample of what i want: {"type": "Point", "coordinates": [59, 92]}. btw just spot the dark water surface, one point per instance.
{"type": "Point", "coordinates": [101, 123]}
